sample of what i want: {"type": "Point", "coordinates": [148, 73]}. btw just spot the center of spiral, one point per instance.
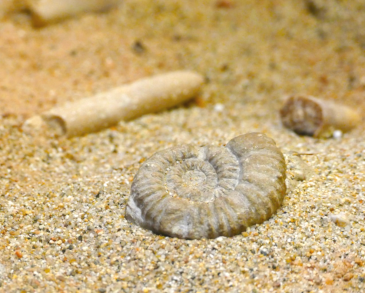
{"type": "Point", "coordinates": [194, 178]}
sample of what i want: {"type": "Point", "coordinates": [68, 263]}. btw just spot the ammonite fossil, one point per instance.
{"type": "Point", "coordinates": [196, 192]}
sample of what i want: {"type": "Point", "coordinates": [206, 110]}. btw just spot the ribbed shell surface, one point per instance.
{"type": "Point", "coordinates": [204, 192]}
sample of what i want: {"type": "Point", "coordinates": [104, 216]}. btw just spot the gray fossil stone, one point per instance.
{"type": "Point", "coordinates": [205, 192]}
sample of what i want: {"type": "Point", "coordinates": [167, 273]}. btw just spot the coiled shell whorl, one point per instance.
{"type": "Point", "coordinates": [204, 192]}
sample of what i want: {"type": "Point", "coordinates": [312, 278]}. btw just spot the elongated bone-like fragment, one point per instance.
{"type": "Point", "coordinates": [48, 11]}
{"type": "Point", "coordinates": [319, 118]}
{"type": "Point", "coordinates": [127, 102]}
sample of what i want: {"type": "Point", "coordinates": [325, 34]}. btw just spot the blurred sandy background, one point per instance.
{"type": "Point", "coordinates": [62, 200]}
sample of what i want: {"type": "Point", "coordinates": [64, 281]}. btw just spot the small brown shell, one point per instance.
{"type": "Point", "coordinates": [204, 192]}
{"type": "Point", "coordinates": [319, 118]}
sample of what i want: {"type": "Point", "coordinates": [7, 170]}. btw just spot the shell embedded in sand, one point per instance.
{"type": "Point", "coordinates": [204, 192]}
{"type": "Point", "coordinates": [315, 117]}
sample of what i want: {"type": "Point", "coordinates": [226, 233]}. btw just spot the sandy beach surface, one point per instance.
{"type": "Point", "coordinates": [62, 201]}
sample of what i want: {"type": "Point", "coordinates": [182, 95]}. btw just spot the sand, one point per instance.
{"type": "Point", "coordinates": [62, 201]}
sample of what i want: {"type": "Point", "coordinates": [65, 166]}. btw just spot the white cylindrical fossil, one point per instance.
{"type": "Point", "coordinates": [195, 192]}
{"type": "Point", "coordinates": [319, 118]}
{"type": "Point", "coordinates": [47, 11]}
{"type": "Point", "coordinates": [127, 102]}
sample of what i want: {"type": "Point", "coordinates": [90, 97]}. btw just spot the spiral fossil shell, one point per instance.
{"type": "Point", "coordinates": [204, 192]}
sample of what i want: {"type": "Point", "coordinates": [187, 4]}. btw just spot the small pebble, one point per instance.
{"type": "Point", "coordinates": [18, 254]}
{"type": "Point", "coordinates": [348, 277]}
{"type": "Point", "coordinates": [264, 251]}
{"type": "Point", "coordinates": [218, 107]}
{"type": "Point", "coordinates": [340, 219]}
{"type": "Point", "coordinates": [328, 280]}
{"type": "Point", "coordinates": [337, 134]}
